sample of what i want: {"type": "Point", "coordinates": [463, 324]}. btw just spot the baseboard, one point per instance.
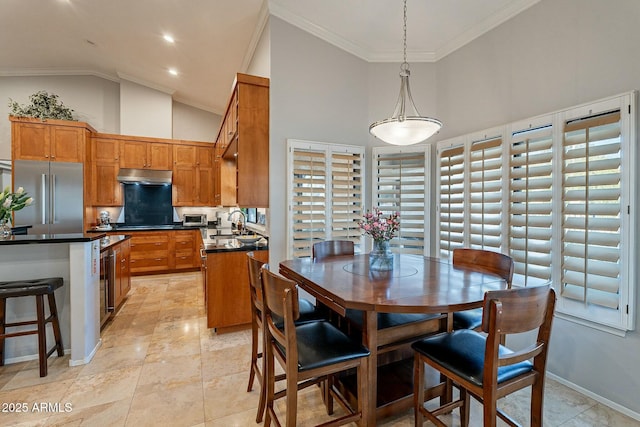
{"type": "Point", "coordinates": [613, 405]}
{"type": "Point", "coordinates": [28, 357]}
{"type": "Point", "coordinates": [87, 359]}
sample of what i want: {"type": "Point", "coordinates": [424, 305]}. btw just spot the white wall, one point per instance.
{"type": "Point", "coordinates": [144, 111]}
{"type": "Point", "coordinates": [194, 124]}
{"type": "Point", "coordinates": [93, 99]}
{"type": "Point", "coordinates": [318, 92]}
{"type": "Point", "coordinates": [554, 55]}
{"type": "Point", "coordinates": [97, 101]}
{"type": "Point", "coordinates": [260, 64]}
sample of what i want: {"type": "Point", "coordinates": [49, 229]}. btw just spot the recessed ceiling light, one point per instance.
{"type": "Point", "coordinates": [173, 71]}
{"type": "Point", "coordinates": [168, 38]}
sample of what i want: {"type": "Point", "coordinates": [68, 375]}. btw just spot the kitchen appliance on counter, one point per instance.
{"type": "Point", "coordinates": [104, 221]}
{"type": "Point", "coordinates": [56, 188]}
{"type": "Point", "coordinates": [194, 220]}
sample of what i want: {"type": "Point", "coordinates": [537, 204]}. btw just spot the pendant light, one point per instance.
{"type": "Point", "coordinates": [406, 126]}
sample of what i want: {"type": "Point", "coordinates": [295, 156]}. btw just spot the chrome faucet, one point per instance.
{"type": "Point", "coordinates": [244, 219]}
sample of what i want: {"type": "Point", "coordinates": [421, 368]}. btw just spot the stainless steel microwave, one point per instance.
{"type": "Point", "coordinates": [194, 220]}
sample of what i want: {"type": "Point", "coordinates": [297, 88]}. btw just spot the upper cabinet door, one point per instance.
{"type": "Point", "coordinates": [133, 154]}
{"type": "Point", "coordinates": [48, 142]}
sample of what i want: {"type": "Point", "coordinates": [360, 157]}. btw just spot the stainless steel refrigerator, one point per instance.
{"type": "Point", "coordinates": [57, 191]}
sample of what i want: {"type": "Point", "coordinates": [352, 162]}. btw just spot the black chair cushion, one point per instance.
{"type": "Point", "coordinates": [462, 352]}
{"type": "Point", "coordinates": [22, 288]}
{"type": "Point", "coordinates": [389, 320]}
{"type": "Point", "coordinates": [468, 319]}
{"type": "Point", "coordinates": [322, 344]}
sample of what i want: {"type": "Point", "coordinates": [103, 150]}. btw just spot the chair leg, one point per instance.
{"type": "Point", "coordinates": [465, 408]}
{"type": "Point", "coordinates": [362, 389]}
{"type": "Point", "coordinates": [292, 397]}
{"type": "Point", "coordinates": [418, 390]}
{"type": "Point", "coordinates": [537, 400]}
{"type": "Point", "coordinates": [3, 310]}
{"type": "Point", "coordinates": [254, 357]}
{"type": "Point", "coordinates": [490, 409]}
{"type": "Point", "coordinates": [269, 383]}
{"type": "Point", "coordinates": [53, 310]}
{"type": "Point", "coordinates": [42, 335]}
{"type": "Point", "coordinates": [263, 384]}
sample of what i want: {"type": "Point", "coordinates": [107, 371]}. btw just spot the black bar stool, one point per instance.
{"type": "Point", "coordinates": [38, 288]}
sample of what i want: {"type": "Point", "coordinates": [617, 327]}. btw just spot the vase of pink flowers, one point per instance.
{"type": "Point", "coordinates": [381, 229]}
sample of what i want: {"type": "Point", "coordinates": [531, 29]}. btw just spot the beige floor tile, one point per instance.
{"type": "Point", "coordinates": [36, 395]}
{"type": "Point", "coordinates": [182, 406]}
{"type": "Point", "coordinates": [110, 386]}
{"type": "Point", "coordinates": [112, 414]}
{"type": "Point", "coordinates": [58, 369]}
{"type": "Point", "coordinates": [169, 373]}
{"type": "Point", "coordinates": [115, 358]}
{"type": "Point", "coordinates": [227, 395]}
{"type": "Point", "coordinates": [159, 364]}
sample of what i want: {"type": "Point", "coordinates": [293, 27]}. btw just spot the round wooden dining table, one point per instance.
{"type": "Point", "coordinates": [416, 284]}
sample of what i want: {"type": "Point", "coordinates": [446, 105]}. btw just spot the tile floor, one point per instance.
{"type": "Point", "coordinates": [160, 365]}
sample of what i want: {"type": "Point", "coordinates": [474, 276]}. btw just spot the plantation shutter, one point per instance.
{"type": "Point", "coordinates": [485, 192]}
{"type": "Point", "coordinates": [451, 200]}
{"type": "Point", "coordinates": [324, 186]}
{"type": "Point", "coordinates": [591, 210]}
{"type": "Point", "coordinates": [530, 216]}
{"type": "Point", "coordinates": [346, 199]}
{"type": "Point", "coordinates": [309, 197]}
{"type": "Point", "coordinates": [399, 186]}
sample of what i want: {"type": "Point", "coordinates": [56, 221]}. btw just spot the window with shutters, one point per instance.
{"type": "Point", "coordinates": [324, 187]}
{"type": "Point", "coordinates": [530, 201]}
{"type": "Point", "coordinates": [451, 189]}
{"type": "Point", "coordinates": [485, 194]}
{"type": "Point", "coordinates": [557, 194]}
{"type": "Point", "coordinates": [400, 180]}
{"type": "Point", "coordinates": [594, 233]}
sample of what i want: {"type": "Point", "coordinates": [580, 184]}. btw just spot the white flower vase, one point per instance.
{"type": "Point", "coordinates": [381, 257]}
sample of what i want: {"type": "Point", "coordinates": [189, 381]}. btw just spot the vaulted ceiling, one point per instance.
{"type": "Point", "coordinates": [214, 39]}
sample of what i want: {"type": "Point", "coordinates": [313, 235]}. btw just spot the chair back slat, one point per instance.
{"type": "Point", "coordinates": [254, 279]}
{"type": "Point", "coordinates": [485, 261]}
{"type": "Point", "coordinates": [273, 291]}
{"type": "Point", "coordinates": [331, 248]}
{"type": "Point", "coordinates": [517, 310]}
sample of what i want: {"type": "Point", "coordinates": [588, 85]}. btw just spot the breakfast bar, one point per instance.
{"type": "Point", "coordinates": [75, 258]}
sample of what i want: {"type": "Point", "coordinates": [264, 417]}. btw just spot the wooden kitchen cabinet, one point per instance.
{"type": "Point", "coordinates": [105, 163]}
{"type": "Point", "coordinates": [193, 177]}
{"type": "Point", "coordinates": [244, 139]}
{"type": "Point", "coordinates": [156, 252]}
{"type": "Point", "coordinates": [186, 249]}
{"type": "Point", "coordinates": [138, 154]}
{"type": "Point", "coordinates": [50, 140]}
{"type": "Point", "coordinates": [227, 297]}
{"type": "Point", "coordinates": [149, 252]}
{"type": "Point", "coordinates": [122, 276]}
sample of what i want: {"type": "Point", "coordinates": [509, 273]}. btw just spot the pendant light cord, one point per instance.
{"type": "Point", "coordinates": [405, 31]}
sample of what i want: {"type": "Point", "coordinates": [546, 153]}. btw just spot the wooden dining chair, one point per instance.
{"type": "Point", "coordinates": [331, 248]}
{"type": "Point", "coordinates": [483, 368]}
{"type": "Point", "coordinates": [309, 353]}
{"type": "Point", "coordinates": [307, 313]}
{"type": "Point", "coordinates": [486, 262]}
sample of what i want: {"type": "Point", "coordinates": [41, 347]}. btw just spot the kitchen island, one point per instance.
{"type": "Point", "coordinates": [227, 297]}
{"type": "Point", "coordinates": [74, 257]}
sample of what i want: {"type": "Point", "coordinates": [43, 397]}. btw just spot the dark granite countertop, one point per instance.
{"type": "Point", "coordinates": [133, 228]}
{"type": "Point", "coordinates": [28, 239]}
{"type": "Point", "coordinates": [241, 247]}
{"type": "Point", "coordinates": [111, 240]}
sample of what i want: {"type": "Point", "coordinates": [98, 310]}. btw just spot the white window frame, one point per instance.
{"type": "Point", "coordinates": [328, 149]}
{"type": "Point", "coordinates": [616, 321]}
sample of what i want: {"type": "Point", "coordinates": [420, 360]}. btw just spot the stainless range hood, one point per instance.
{"type": "Point", "coordinates": [144, 176]}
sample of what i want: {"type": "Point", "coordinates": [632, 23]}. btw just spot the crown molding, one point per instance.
{"type": "Point", "coordinates": [263, 18]}
{"type": "Point", "coordinates": [368, 55]}
{"type": "Point", "coordinates": [206, 108]}
{"type": "Point", "coordinates": [34, 72]}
